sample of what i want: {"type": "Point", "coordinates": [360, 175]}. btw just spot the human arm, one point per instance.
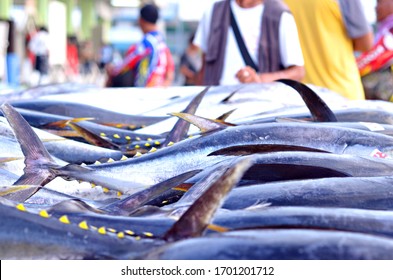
{"type": "Point", "coordinates": [200, 74]}
{"type": "Point", "coordinates": [170, 70]}
{"type": "Point", "coordinates": [290, 53]}
{"type": "Point", "coordinates": [249, 75]}
{"type": "Point", "coordinates": [131, 58]}
{"type": "Point", "coordinates": [363, 43]}
{"type": "Point", "coordinates": [358, 29]}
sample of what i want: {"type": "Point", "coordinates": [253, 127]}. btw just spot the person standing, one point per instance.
{"type": "Point", "coordinates": [39, 46]}
{"type": "Point", "coordinates": [330, 32]}
{"type": "Point", "coordinates": [248, 41]}
{"type": "Point", "coordinates": [148, 63]}
{"type": "Point", "coordinates": [190, 63]}
{"type": "Point", "coordinates": [376, 65]}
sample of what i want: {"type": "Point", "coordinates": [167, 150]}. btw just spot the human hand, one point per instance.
{"type": "Point", "coordinates": [248, 75]}
{"type": "Point", "coordinates": [109, 68]}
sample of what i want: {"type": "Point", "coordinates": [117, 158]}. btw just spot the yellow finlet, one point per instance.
{"type": "Point", "coordinates": [137, 138]}
{"type": "Point", "coordinates": [43, 214]}
{"type": "Point", "coordinates": [83, 225]}
{"type": "Point", "coordinates": [147, 145]}
{"type": "Point", "coordinates": [102, 230]}
{"type": "Point", "coordinates": [170, 143]}
{"type": "Point", "coordinates": [110, 160]}
{"type": "Point", "coordinates": [152, 150]}
{"type": "Point", "coordinates": [129, 232]}
{"type": "Point", "coordinates": [148, 234]}
{"type": "Point", "coordinates": [120, 235]}
{"type": "Point", "coordinates": [102, 134]}
{"type": "Point", "coordinates": [149, 139]}
{"type": "Point", "coordinates": [138, 154]}
{"type": "Point", "coordinates": [119, 193]}
{"type": "Point", "coordinates": [105, 190]}
{"type": "Point", "coordinates": [124, 157]}
{"type": "Point", "coordinates": [64, 219]}
{"type": "Point", "coordinates": [112, 230]}
{"type": "Point", "coordinates": [97, 162]}
{"type": "Point", "coordinates": [21, 207]}
{"type": "Point", "coordinates": [128, 137]}
{"type": "Point", "coordinates": [217, 228]}
{"type": "Point", "coordinates": [137, 146]}
{"type": "Point", "coordinates": [117, 136]}
{"type": "Point", "coordinates": [157, 143]}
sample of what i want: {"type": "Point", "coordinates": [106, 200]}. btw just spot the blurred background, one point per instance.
{"type": "Point", "coordinates": [94, 26]}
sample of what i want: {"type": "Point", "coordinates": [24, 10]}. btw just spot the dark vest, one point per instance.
{"type": "Point", "coordinates": [269, 59]}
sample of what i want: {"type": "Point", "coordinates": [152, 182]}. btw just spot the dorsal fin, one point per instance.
{"type": "Point", "coordinates": [204, 124]}
{"type": "Point", "coordinates": [199, 215]}
{"type": "Point", "coordinates": [180, 129]}
{"type": "Point", "coordinates": [64, 123]}
{"type": "Point", "coordinates": [226, 99]}
{"type": "Point", "coordinates": [128, 204]}
{"type": "Point", "coordinates": [318, 108]}
{"type": "Point", "coordinates": [224, 116]}
{"type": "Point", "coordinates": [93, 138]}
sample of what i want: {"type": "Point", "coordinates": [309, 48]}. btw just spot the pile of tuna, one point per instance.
{"type": "Point", "coordinates": [286, 182]}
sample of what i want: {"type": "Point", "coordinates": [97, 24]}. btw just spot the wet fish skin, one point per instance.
{"type": "Point", "coordinates": [79, 110]}
{"type": "Point", "coordinates": [348, 192]}
{"type": "Point", "coordinates": [24, 235]}
{"type": "Point", "coordinates": [343, 115]}
{"type": "Point", "coordinates": [192, 154]}
{"type": "Point", "coordinates": [117, 135]}
{"type": "Point", "coordinates": [290, 244]}
{"type": "Point", "coordinates": [376, 222]}
{"type": "Point", "coordinates": [59, 147]}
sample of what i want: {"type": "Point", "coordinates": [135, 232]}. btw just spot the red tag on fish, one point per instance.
{"type": "Point", "coordinates": [378, 56]}
{"type": "Point", "coordinates": [378, 154]}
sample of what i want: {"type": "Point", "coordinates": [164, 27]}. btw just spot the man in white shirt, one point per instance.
{"type": "Point", "coordinates": [39, 46]}
{"type": "Point", "coordinates": [248, 14]}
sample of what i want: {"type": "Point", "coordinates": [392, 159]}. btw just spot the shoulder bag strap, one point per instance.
{"type": "Point", "coordinates": [243, 49]}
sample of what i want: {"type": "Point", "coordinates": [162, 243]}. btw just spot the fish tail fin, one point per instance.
{"type": "Point", "coordinates": [38, 161]}
{"type": "Point", "coordinates": [198, 217]}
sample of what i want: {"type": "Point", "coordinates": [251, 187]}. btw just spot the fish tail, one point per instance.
{"type": "Point", "coordinates": [200, 214]}
{"type": "Point", "coordinates": [40, 167]}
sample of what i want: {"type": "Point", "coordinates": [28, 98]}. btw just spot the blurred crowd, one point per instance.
{"type": "Point", "coordinates": [323, 43]}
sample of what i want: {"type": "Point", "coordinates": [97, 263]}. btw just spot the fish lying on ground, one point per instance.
{"type": "Point", "coordinates": [351, 192]}
{"type": "Point", "coordinates": [43, 235]}
{"type": "Point", "coordinates": [279, 244]}
{"type": "Point", "coordinates": [78, 110]}
{"type": "Point", "coordinates": [191, 154]}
